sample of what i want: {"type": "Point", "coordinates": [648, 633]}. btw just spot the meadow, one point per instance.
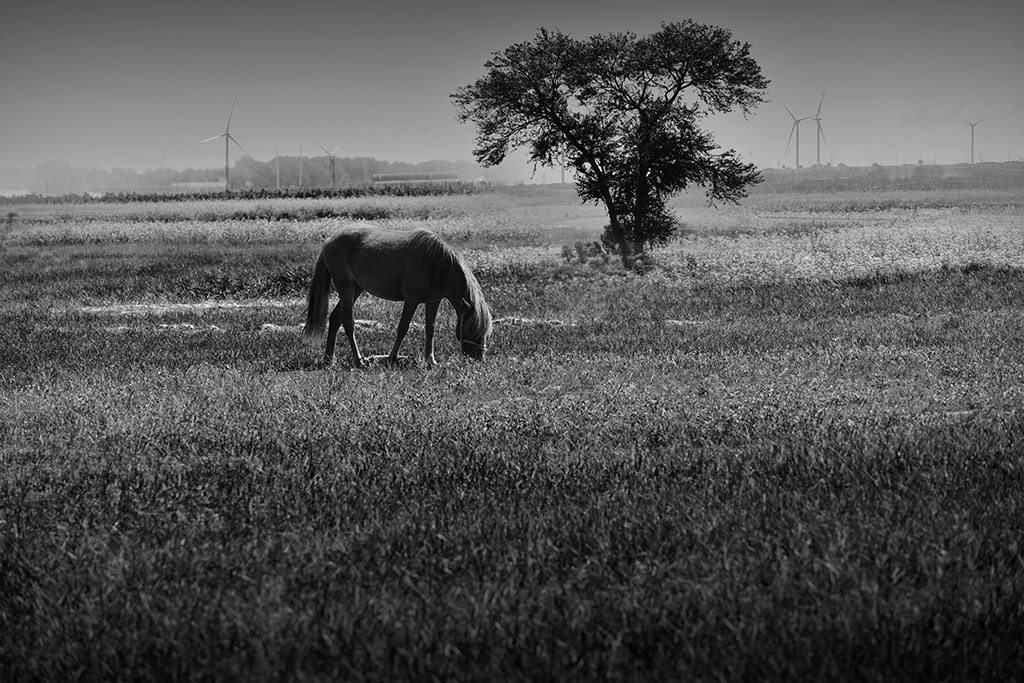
{"type": "Point", "coordinates": [789, 447]}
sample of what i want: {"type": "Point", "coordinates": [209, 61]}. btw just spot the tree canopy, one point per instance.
{"type": "Point", "coordinates": [623, 112]}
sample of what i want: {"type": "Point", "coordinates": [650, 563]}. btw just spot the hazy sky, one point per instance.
{"type": "Point", "coordinates": [137, 84]}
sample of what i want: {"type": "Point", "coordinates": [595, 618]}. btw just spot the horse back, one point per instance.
{"type": "Point", "coordinates": [389, 264]}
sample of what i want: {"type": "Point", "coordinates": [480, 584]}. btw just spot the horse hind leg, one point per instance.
{"type": "Point", "coordinates": [342, 316]}
{"type": "Point", "coordinates": [332, 333]}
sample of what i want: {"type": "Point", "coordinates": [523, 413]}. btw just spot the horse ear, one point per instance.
{"type": "Point", "coordinates": [465, 305]}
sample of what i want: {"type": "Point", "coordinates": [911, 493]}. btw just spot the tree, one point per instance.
{"type": "Point", "coordinates": [57, 178]}
{"type": "Point", "coordinates": [623, 112]}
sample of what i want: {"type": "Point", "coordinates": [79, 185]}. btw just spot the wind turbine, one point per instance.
{"type": "Point", "coordinates": [228, 139]}
{"type": "Point", "coordinates": [972, 125]}
{"type": "Point", "coordinates": [821, 133]}
{"type": "Point", "coordinates": [796, 129]}
{"type": "Point", "coordinates": [334, 158]}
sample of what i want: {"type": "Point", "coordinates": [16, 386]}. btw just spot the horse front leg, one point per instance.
{"type": "Point", "coordinates": [403, 328]}
{"type": "Point", "coordinates": [430, 315]}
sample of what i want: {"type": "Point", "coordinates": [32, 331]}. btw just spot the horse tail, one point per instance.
{"type": "Point", "coordinates": [319, 297]}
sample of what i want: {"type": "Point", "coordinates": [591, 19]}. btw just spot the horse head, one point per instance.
{"type": "Point", "coordinates": [473, 327]}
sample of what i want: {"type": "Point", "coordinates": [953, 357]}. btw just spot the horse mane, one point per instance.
{"type": "Point", "coordinates": [477, 318]}
{"type": "Point", "coordinates": [444, 260]}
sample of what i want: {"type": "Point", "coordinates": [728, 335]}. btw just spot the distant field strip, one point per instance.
{"type": "Point", "coordinates": [162, 308]}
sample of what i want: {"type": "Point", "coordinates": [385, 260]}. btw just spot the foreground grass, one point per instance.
{"type": "Point", "coordinates": [357, 548]}
{"type": "Point", "coordinates": [654, 477]}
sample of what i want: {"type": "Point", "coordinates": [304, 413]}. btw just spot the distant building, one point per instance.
{"type": "Point", "coordinates": [408, 178]}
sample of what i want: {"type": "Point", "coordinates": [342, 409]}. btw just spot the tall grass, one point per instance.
{"type": "Point", "coordinates": [699, 472]}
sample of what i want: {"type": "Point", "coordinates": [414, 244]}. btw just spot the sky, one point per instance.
{"type": "Point", "coordinates": [138, 84]}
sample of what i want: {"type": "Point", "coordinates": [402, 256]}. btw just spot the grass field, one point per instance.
{"type": "Point", "coordinates": [792, 448]}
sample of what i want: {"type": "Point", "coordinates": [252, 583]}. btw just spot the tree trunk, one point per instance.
{"type": "Point", "coordinates": [618, 238]}
{"type": "Point", "coordinates": [626, 253]}
{"type": "Point", "coordinates": [631, 252]}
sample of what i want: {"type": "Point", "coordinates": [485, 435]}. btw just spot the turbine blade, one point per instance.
{"type": "Point", "coordinates": [232, 139]}
{"type": "Point", "coordinates": [213, 138]}
{"type": "Point", "coordinates": [820, 103]}
{"type": "Point", "coordinates": [787, 109]}
{"type": "Point", "coordinates": [821, 132]}
{"type": "Point", "coordinates": [791, 135]}
{"type": "Point", "coordinates": [228, 127]}
{"type": "Point", "coordinates": [321, 147]}
{"type": "Point", "coordinates": [335, 150]}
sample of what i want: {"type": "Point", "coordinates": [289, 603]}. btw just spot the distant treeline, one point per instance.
{"type": "Point", "coordinates": [876, 178]}
{"type": "Point", "coordinates": [60, 178]}
{"type": "Point", "coordinates": [393, 189]}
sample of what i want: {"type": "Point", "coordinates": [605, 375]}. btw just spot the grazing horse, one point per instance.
{"type": "Point", "coordinates": [412, 267]}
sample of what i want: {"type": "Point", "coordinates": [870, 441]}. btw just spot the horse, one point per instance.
{"type": "Point", "coordinates": [414, 267]}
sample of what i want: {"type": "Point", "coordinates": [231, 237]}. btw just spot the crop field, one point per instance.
{"type": "Point", "coordinates": [789, 446]}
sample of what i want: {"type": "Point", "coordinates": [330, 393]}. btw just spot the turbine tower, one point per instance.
{"type": "Point", "coordinates": [334, 158]}
{"type": "Point", "coordinates": [821, 132]}
{"type": "Point", "coordinates": [972, 125]}
{"type": "Point", "coordinates": [795, 129]}
{"type": "Point", "coordinates": [228, 139]}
